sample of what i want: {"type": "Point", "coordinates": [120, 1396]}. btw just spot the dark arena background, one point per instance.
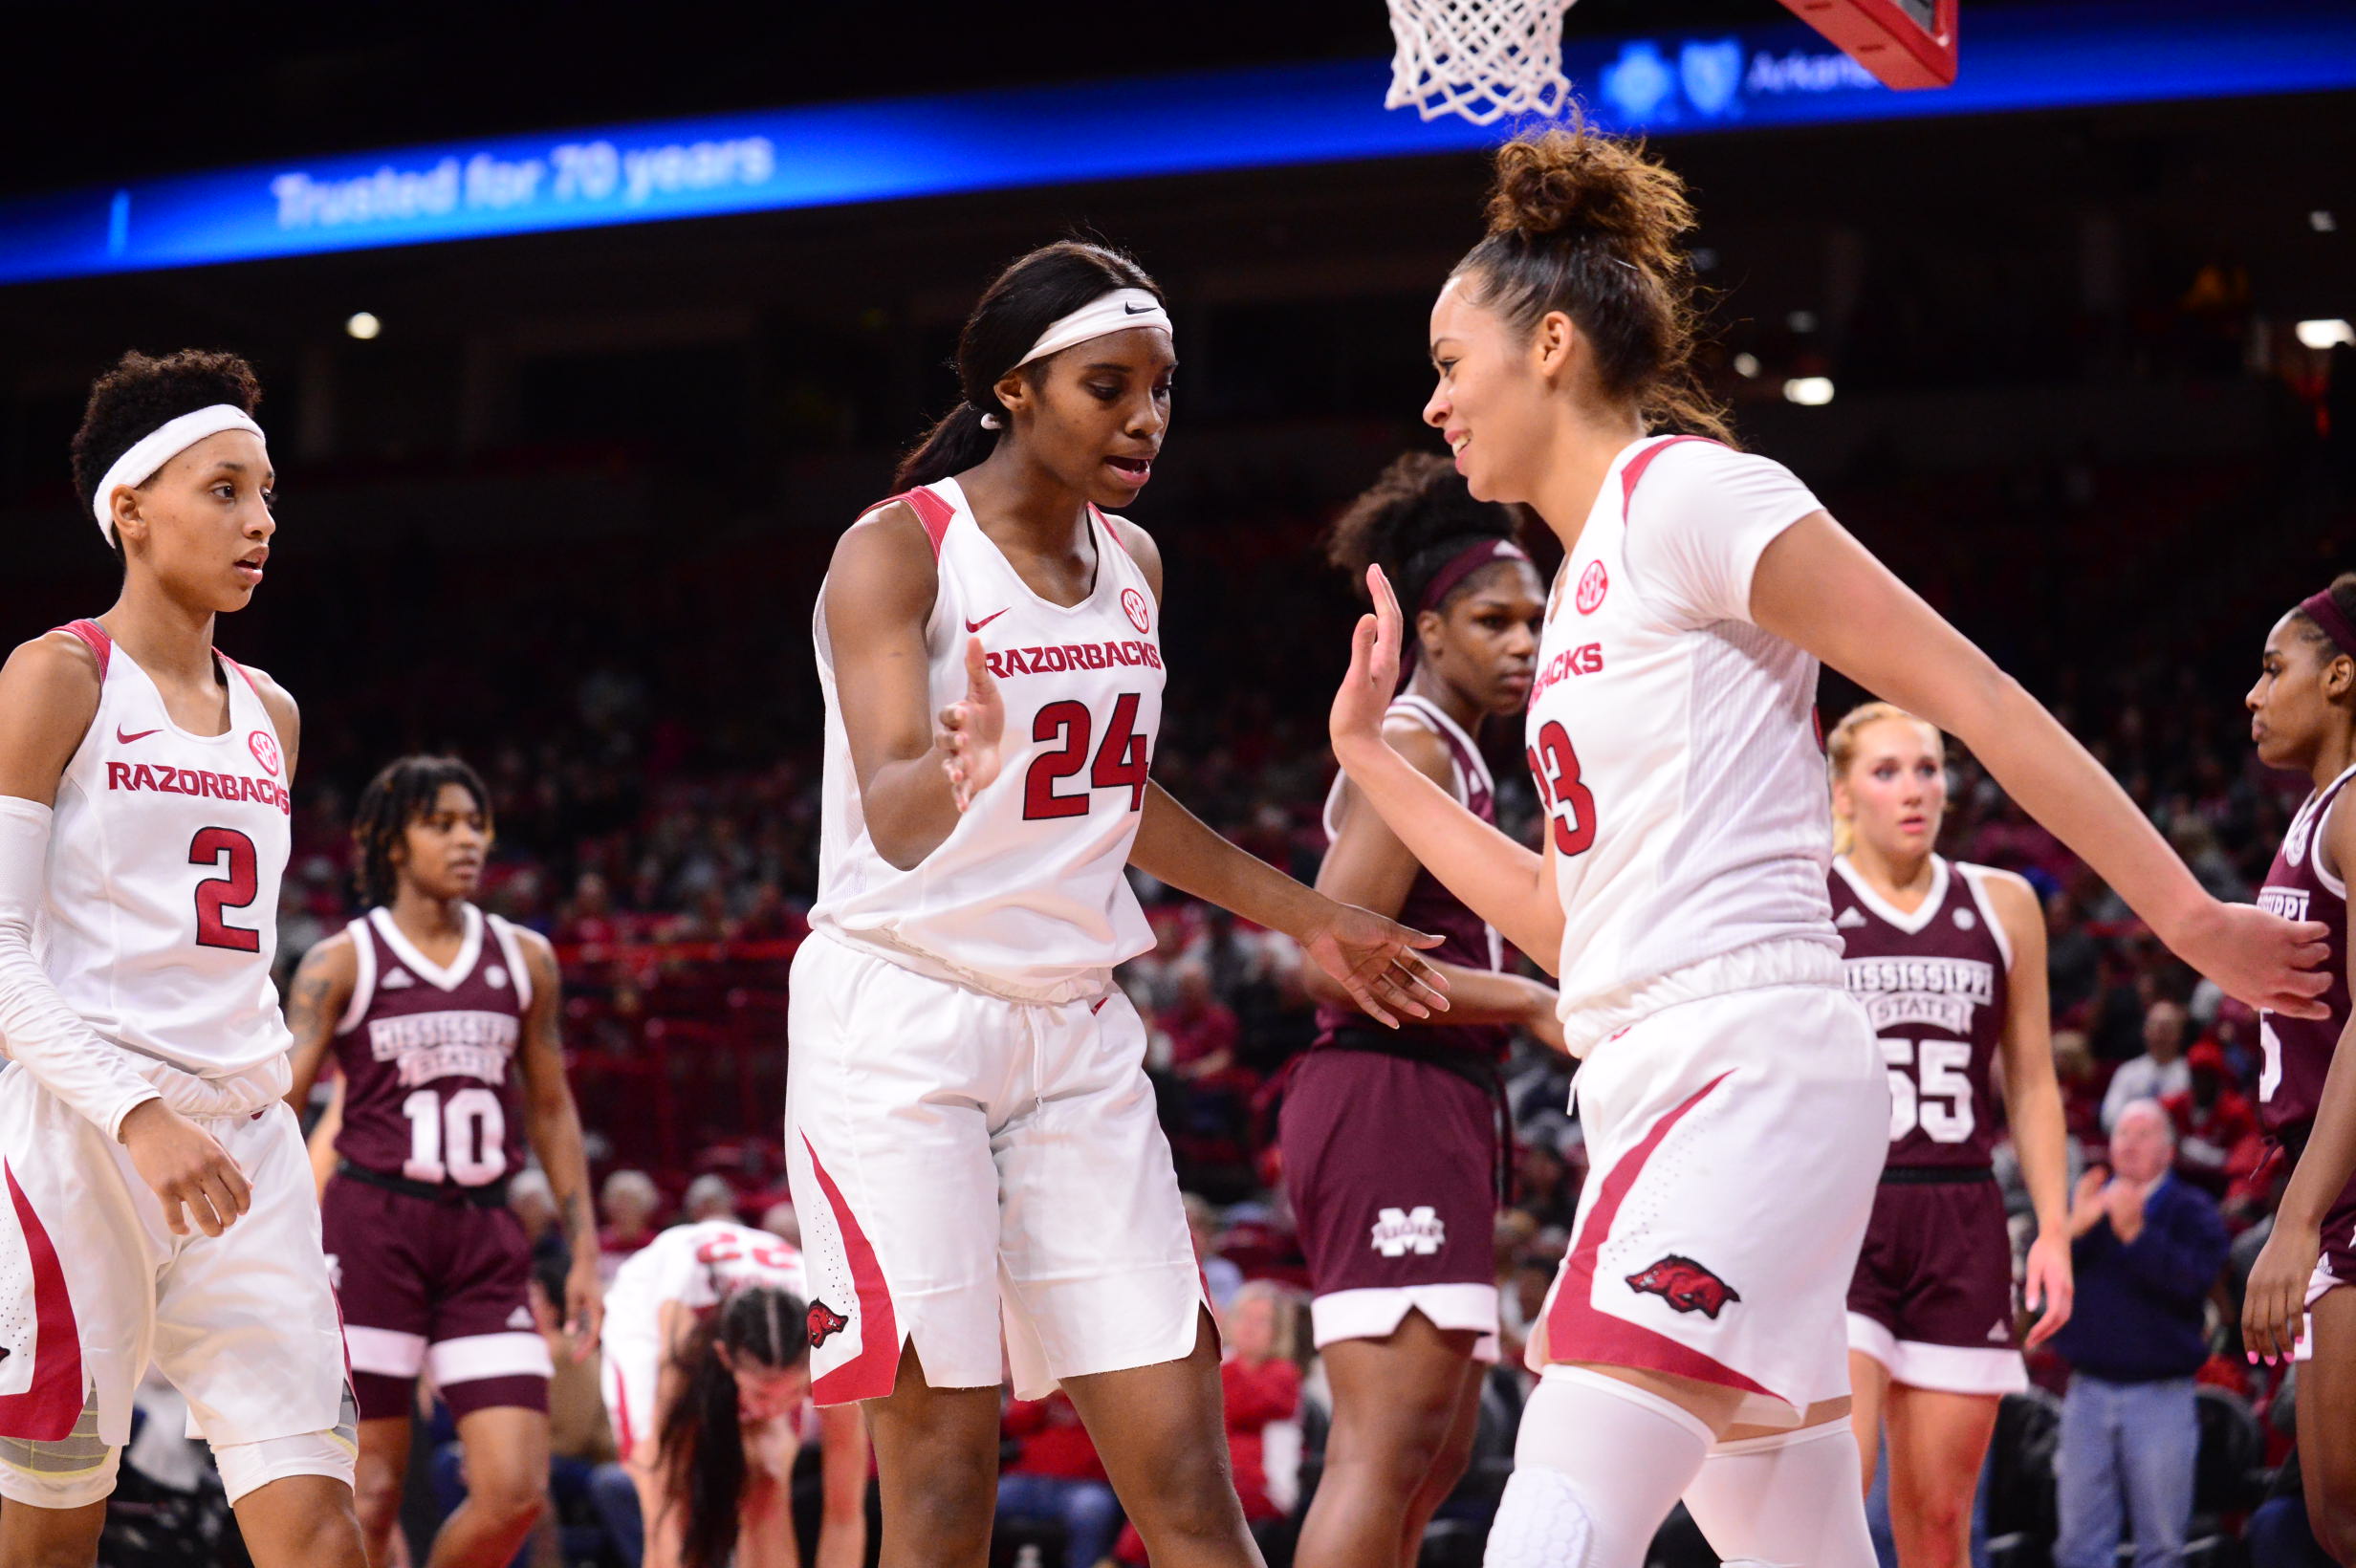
{"type": "Point", "coordinates": [586, 329]}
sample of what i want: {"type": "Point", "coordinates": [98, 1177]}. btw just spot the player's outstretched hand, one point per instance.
{"type": "Point", "coordinates": [186, 1169]}
{"type": "Point", "coordinates": [2273, 964]}
{"type": "Point", "coordinates": [2273, 1309]}
{"type": "Point", "coordinates": [1376, 962]}
{"type": "Point", "coordinates": [971, 729]}
{"type": "Point", "coordinates": [2049, 1285]}
{"type": "Point", "coordinates": [1355, 719]}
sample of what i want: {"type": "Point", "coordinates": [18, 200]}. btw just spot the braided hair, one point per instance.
{"type": "Point", "coordinates": [702, 1443]}
{"type": "Point", "coordinates": [405, 790]}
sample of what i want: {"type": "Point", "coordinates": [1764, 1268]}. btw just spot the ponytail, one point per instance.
{"type": "Point", "coordinates": [956, 442]}
{"type": "Point", "coordinates": [1034, 292]}
{"type": "Point", "coordinates": [702, 1441]}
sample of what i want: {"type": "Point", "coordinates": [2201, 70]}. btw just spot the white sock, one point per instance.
{"type": "Point", "coordinates": [1793, 1500]}
{"type": "Point", "coordinates": [1597, 1466]}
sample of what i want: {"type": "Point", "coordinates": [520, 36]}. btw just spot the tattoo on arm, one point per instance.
{"type": "Point", "coordinates": [306, 1007]}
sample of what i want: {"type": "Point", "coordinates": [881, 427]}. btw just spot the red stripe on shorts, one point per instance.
{"type": "Point", "coordinates": [46, 1412]}
{"type": "Point", "coordinates": [1577, 1332]}
{"type": "Point", "coordinates": [871, 1373]}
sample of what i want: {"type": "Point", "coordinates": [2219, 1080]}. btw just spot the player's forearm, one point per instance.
{"type": "Point", "coordinates": [1498, 879]}
{"type": "Point", "coordinates": [1175, 846]}
{"type": "Point", "coordinates": [1474, 996]}
{"type": "Point", "coordinates": [2329, 1159]}
{"type": "Point", "coordinates": [552, 1125]}
{"type": "Point", "coordinates": [2040, 1133]}
{"type": "Point", "coordinates": [908, 808]}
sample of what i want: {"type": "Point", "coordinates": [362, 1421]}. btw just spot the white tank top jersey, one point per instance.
{"type": "Point", "coordinates": [1675, 745]}
{"type": "Point", "coordinates": [699, 1265]}
{"type": "Point", "coordinates": [166, 853]}
{"type": "Point", "coordinates": [1028, 896]}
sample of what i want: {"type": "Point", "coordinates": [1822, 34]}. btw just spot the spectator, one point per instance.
{"type": "Point", "coordinates": [1202, 1029]}
{"type": "Point", "coordinates": [2147, 1247]}
{"type": "Point", "coordinates": [627, 1202]}
{"type": "Point", "coordinates": [2160, 1071]}
{"type": "Point", "coordinates": [1056, 1477]}
{"type": "Point", "coordinates": [2218, 1141]}
{"type": "Point", "coordinates": [710, 1197]}
{"type": "Point", "coordinates": [779, 1219]}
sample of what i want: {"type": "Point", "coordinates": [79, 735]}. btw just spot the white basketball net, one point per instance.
{"type": "Point", "coordinates": [1479, 58]}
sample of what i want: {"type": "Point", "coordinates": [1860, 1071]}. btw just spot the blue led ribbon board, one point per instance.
{"type": "Point", "coordinates": [2014, 58]}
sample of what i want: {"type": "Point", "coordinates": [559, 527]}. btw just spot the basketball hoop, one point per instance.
{"type": "Point", "coordinates": [1480, 58]}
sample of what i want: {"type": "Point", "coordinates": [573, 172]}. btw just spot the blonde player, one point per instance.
{"type": "Point", "coordinates": [1734, 1098]}
{"type": "Point", "coordinates": [706, 1382]}
{"type": "Point", "coordinates": [970, 1130]}
{"type": "Point", "coordinates": [1949, 960]}
{"type": "Point", "coordinates": [159, 1204]}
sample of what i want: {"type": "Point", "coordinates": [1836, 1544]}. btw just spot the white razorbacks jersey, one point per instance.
{"type": "Point", "coordinates": [1675, 744]}
{"type": "Point", "coordinates": [699, 1265]}
{"type": "Point", "coordinates": [165, 857]}
{"type": "Point", "coordinates": [1028, 896]}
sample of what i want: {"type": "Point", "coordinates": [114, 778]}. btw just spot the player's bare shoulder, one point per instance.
{"type": "Point", "coordinates": [882, 562]}
{"type": "Point", "coordinates": [1140, 548]}
{"type": "Point", "coordinates": [2014, 901]}
{"type": "Point", "coordinates": [48, 695]}
{"type": "Point", "coordinates": [539, 956]}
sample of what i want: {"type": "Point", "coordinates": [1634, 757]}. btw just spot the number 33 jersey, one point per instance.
{"type": "Point", "coordinates": [165, 858]}
{"type": "Point", "coordinates": [428, 1054]}
{"type": "Point", "coordinates": [1933, 984]}
{"type": "Point", "coordinates": [1674, 745]}
{"type": "Point", "coordinates": [1028, 896]}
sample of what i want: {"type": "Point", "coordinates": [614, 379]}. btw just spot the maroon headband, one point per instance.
{"type": "Point", "coordinates": [2320, 609]}
{"type": "Point", "coordinates": [1460, 566]}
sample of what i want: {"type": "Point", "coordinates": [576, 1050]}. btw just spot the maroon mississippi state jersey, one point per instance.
{"type": "Point", "coordinates": [1431, 906]}
{"type": "Point", "coordinates": [428, 1055]}
{"type": "Point", "coordinates": [2300, 887]}
{"type": "Point", "coordinates": [1935, 984]}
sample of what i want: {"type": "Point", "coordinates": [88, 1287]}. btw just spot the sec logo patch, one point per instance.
{"type": "Point", "coordinates": [265, 749]}
{"type": "Point", "coordinates": [1593, 584]}
{"type": "Point", "coordinates": [1134, 603]}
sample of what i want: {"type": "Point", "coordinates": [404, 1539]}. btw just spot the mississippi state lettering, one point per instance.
{"type": "Point", "coordinates": [124, 775]}
{"type": "Point", "coordinates": [425, 1046]}
{"type": "Point", "coordinates": [2290, 903]}
{"type": "Point", "coordinates": [1944, 993]}
{"type": "Point", "coordinates": [1064, 656]}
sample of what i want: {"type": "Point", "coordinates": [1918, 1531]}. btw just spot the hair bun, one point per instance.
{"type": "Point", "coordinates": [1577, 182]}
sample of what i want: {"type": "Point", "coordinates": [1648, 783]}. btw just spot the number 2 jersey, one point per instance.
{"type": "Point", "coordinates": [1675, 744]}
{"type": "Point", "coordinates": [1028, 896]}
{"type": "Point", "coordinates": [428, 1054]}
{"type": "Point", "coordinates": [1934, 986]}
{"type": "Point", "coordinates": [166, 853]}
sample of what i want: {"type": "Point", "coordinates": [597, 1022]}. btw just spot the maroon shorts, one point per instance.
{"type": "Point", "coordinates": [443, 1288]}
{"type": "Point", "coordinates": [1933, 1295]}
{"type": "Point", "coordinates": [1391, 1165]}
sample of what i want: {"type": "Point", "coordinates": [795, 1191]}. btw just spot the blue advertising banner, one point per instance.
{"type": "Point", "coordinates": [2014, 58]}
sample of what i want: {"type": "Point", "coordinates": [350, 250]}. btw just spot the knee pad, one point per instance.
{"type": "Point", "coordinates": [1796, 1497]}
{"type": "Point", "coordinates": [75, 1472]}
{"type": "Point", "coordinates": [1541, 1522]}
{"type": "Point", "coordinates": [249, 1466]}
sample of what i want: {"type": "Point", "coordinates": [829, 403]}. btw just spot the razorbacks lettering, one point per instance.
{"type": "Point", "coordinates": [197, 781]}
{"type": "Point", "coordinates": [1054, 659]}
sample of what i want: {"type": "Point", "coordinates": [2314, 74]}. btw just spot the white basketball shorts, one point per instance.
{"type": "Point", "coordinates": [94, 1286]}
{"type": "Point", "coordinates": [1735, 1143]}
{"type": "Point", "coordinates": [958, 1161]}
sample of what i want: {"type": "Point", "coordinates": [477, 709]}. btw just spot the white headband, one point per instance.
{"type": "Point", "coordinates": [1116, 312]}
{"type": "Point", "coordinates": [159, 447]}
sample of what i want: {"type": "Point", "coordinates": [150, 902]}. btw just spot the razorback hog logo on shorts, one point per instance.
{"type": "Point", "coordinates": [825, 1323]}
{"type": "Point", "coordinates": [1685, 1285]}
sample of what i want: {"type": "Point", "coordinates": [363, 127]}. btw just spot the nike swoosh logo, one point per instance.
{"type": "Point", "coordinates": [977, 625]}
{"type": "Point", "coordinates": [128, 739]}
{"type": "Point", "coordinates": [1127, 308]}
{"type": "Point", "coordinates": [49, 1410]}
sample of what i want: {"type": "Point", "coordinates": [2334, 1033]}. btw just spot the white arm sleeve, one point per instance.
{"type": "Point", "coordinates": [43, 1035]}
{"type": "Point", "coordinates": [1701, 516]}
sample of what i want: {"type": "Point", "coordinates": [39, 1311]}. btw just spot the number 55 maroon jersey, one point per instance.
{"type": "Point", "coordinates": [428, 1055]}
